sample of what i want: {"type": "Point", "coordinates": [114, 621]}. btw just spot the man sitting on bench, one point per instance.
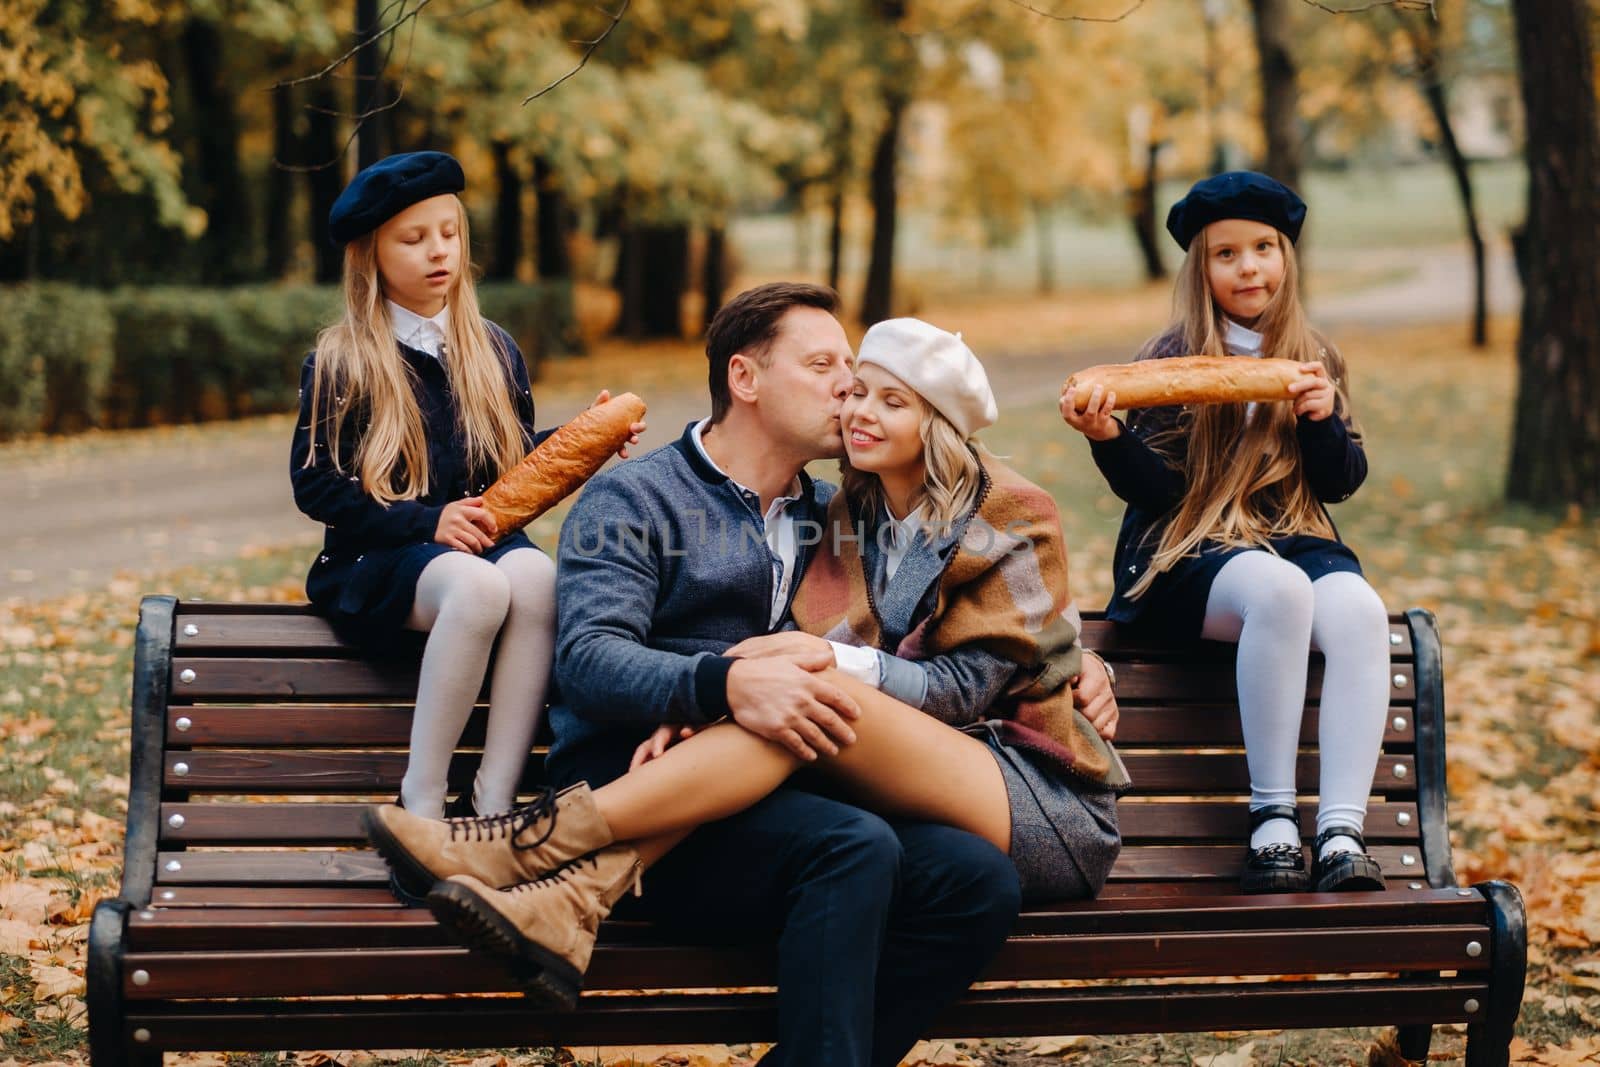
{"type": "Point", "coordinates": [665, 564]}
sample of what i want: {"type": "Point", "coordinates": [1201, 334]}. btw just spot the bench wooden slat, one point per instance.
{"type": "Point", "coordinates": [361, 867]}
{"type": "Point", "coordinates": [389, 726]}
{"type": "Point", "coordinates": [198, 679]}
{"type": "Point", "coordinates": [734, 1017]}
{"type": "Point", "coordinates": [450, 969]}
{"type": "Point", "coordinates": [266, 823]}
{"type": "Point", "coordinates": [200, 897]}
{"type": "Point", "coordinates": [190, 929]}
{"type": "Point", "coordinates": [221, 632]}
{"type": "Point", "coordinates": [308, 772]}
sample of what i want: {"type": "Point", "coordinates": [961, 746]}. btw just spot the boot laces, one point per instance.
{"type": "Point", "coordinates": [512, 823]}
{"type": "Point", "coordinates": [560, 874]}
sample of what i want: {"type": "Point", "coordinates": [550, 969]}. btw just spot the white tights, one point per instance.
{"type": "Point", "coordinates": [1275, 612]}
{"type": "Point", "coordinates": [463, 602]}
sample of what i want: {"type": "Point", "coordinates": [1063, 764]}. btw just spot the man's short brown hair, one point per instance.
{"type": "Point", "coordinates": [748, 323]}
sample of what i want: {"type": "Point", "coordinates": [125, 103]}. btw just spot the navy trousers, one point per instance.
{"type": "Point", "coordinates": [879, 923]}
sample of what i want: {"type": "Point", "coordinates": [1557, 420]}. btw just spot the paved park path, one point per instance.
{"type": "Point", "coordinates": [76, 513]}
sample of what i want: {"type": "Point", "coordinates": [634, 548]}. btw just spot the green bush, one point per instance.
{"type": "Point", "coordinates": [188, 355]}
{"type": "Point", "coordinates": [55, 358]}
{"type": "Point", "coordinates": [72, 358]}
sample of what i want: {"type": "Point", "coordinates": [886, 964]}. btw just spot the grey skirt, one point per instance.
{"type": "Point", "coordinates": [1064, 836]}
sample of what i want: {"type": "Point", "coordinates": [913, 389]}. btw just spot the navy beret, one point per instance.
{"type": "Point", "coordinates": [387, 188]}
{"type": "Point", "coordinates": [1238, 194]}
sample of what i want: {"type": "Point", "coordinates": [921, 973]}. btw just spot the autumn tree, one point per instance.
{"type": "Point", "coordinates": [1555, 444]}
{"type": "Point", "coordinates": [84, 109]}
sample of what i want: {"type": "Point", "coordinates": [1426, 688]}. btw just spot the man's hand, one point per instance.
{"type": "Point", "coordinates": [664, 737]}
{"type": "Point", "coordinates": [801, 649]}
{"type": "Point", "coordinates": [776, 699]}
{"type": "Point", "coordinates": [1091, 694]}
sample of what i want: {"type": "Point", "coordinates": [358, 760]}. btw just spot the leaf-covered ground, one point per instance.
{"type": "Point", "coordinates": [1516, 595]}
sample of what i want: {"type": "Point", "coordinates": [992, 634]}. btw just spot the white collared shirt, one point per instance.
{"type": "Point", "coordinates": [414, 331]}
{"type": "Point", "coordinates": [901, 533]}
{"type": "Point", "coordinates": [1242, 341]}
{"type": "Point", "coordinates": [779, 527]}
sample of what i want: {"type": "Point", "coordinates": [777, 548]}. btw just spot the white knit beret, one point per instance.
{"type": "Point", "coordinates": [938, 365]}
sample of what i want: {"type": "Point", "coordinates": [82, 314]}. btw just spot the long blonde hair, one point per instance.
{"type": "Point", "coordinates": [952, 475]}
{"type": "Point", "coordinates": [358, 369]}
{"type": "Point", "coordinates": [1246, 484]}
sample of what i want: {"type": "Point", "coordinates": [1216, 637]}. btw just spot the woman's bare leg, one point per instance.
{"type": "Point", "coordinates": [902, 763]}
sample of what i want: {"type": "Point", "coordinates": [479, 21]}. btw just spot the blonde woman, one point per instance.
{"type": "Point", "coordinates": [411, 406]}
{"type": "Point", "coordinates": [1227, 536]}
{"type": "Point", "coordinates": [937, 614]}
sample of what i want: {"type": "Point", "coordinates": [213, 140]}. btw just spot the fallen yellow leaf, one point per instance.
{"type": "Point", "coordinates": [50, 982]}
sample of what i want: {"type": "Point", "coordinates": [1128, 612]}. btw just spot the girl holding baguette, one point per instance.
{"type": "Point", "coordinates": [1227, 537]}
{"type": "Point", "coordinates": [410, 406]}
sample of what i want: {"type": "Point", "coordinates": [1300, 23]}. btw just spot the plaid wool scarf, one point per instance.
{"type": "Point", "coordinates": [1004, 590]}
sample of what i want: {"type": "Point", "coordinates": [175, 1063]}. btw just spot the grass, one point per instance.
{"type": "Point", "coordinates": [1514, 591]}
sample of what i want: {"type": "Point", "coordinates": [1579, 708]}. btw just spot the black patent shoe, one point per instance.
{"type": "Point", "coordinates": [1345, 872]}
{"type": "Point", "coordinates": [1277, 868]}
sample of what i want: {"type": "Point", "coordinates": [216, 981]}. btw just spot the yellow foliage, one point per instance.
{"type": "Point", "coordinates": [70, 96]}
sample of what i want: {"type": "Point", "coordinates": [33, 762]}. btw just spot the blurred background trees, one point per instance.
{"type": "Point", "coordinates": [201, 143]}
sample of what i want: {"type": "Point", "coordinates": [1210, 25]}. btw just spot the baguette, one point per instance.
{"type": "Point", "coordinates": [1188, 380]}
{"type": "Point", "coordinates": [563, 462]}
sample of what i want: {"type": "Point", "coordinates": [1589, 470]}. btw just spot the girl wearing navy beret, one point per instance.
{"type": "Point", "coordinates": [1227, 536]}
{"type": "Point", "coordinates": [411, 406]}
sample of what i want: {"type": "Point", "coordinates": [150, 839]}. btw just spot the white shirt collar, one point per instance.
{"type": "Point", "coordinates": [698, 436]}
{"type": "Point", "coordinates": [414, 331]}
{"type": "Point", "coordinates": [1241, 340]}
{"type": "Point", "coordinates": [783, 544]}
{"type": "Point", "coordinates": [902, 533]}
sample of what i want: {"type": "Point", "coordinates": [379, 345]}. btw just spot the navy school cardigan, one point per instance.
{"type": "Point", "coordinates": [1153, 483]}
{"type": "Point", "coordinates": [358, 524]}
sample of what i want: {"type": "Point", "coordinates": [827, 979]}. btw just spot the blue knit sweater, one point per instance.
{"type": "Point", "coordinates": [663, 565]}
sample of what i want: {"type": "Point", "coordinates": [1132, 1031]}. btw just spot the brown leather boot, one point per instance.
{"type": "Point", "coordinates": [499, 850]}
{"type": "Point", "coordinates": [545, 928]}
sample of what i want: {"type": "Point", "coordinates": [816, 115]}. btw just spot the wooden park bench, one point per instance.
{"type": "Point", "coordinates": [253, 916]}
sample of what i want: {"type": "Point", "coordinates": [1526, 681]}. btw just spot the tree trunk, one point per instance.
{"type": "Point", "coordinates": [652, 270]}
{"type": "Point", "coordinates": [877, 298]}
{"type": "Point", "coordinates": [802, 233]}
{"type": "Point", "coordinates": [1280, 91]}
{"type": "Point", "coordinates": [1044, 230]}
{"type": "Point", "coordinates": [1143, 215]}
{"type": "Point", "coordinates": [507, 214]}
{"type": "Point", "coordinates": [713, 273]}
{"type": "Point", "coordinates": [280, 185]}
{"type": "Point", "coordinates": [1424, 44]}
{"type": "Point", "coordinates": [1555, 442]}
{"type": "Point", "coordinates": [1434, 91]}
{"type": "Point", "coordinates": [218, 185]}
{"type": "Point", "coordinates": [835, 231]}
{"type": "Point", "coordinates": [322, 152]}
{"type": "Point", "coordinates": [368, 86]}
{"type": "Point", "coordinates": [552, 222]}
